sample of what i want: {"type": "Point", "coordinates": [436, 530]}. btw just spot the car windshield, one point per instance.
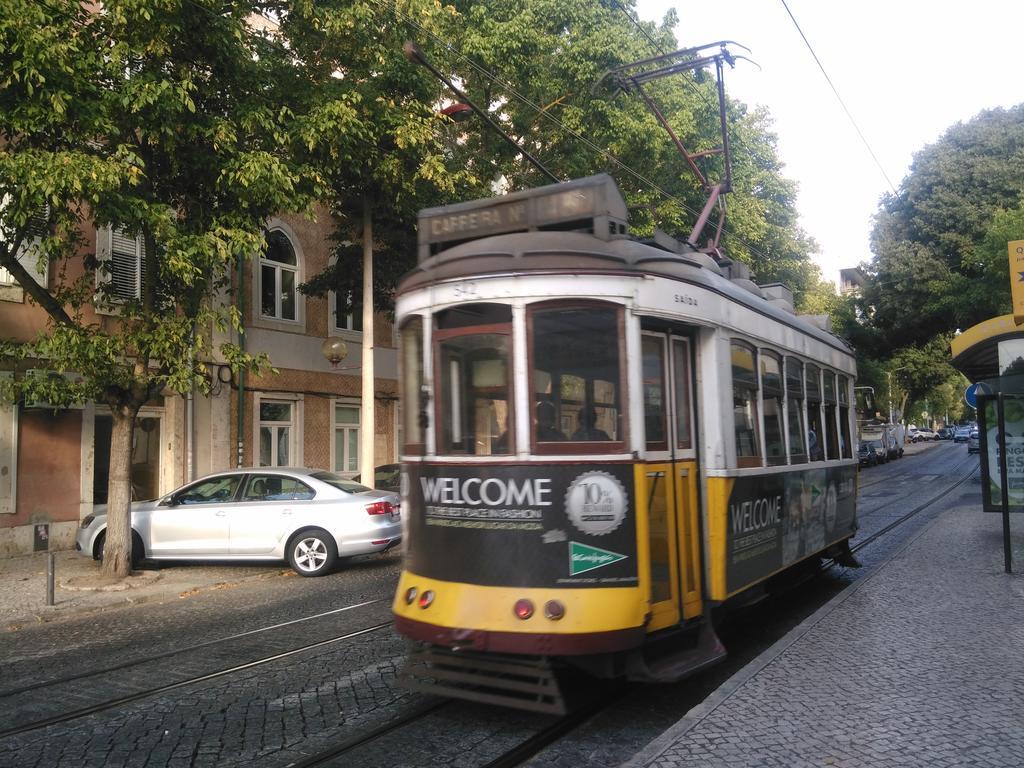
{"type": "Point", "coordinates": [339, 482]}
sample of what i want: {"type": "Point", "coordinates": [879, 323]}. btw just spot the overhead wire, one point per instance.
{"type": "Point", "coordinates": [839, 98]}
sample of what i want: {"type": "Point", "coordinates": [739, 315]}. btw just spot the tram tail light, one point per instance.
{"type": "Point", "coordinates": [379, 508]}
{"type": "Point", "coordinates": [554, 610]}
{"type": "Point", "coordinates": [427, 598]}
{"type": "Point", "coordinates": [410, 595]}
{"type": "Point", "coordinates": [523, 609]}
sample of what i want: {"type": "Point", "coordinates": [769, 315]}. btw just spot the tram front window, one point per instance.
{"type": "Point", "coordinates": [576, 377]}
{"type": "Point", "coordinates": [474, 413]}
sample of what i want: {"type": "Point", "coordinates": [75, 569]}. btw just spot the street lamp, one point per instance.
{"type": "Point", "coordinates": [334, 349]}
{"type": "Point", "coordinates": [890, 373]}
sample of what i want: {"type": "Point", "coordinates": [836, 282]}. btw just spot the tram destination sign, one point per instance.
{"type": "Point", "coordinates": [595, 199]}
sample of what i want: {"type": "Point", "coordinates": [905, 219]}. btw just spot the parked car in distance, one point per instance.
{"type": "Point", "coordinates": [386, 477]}
{"type": "Point", "coordinates": [960, 434]}
{"type": "Point", "coordinates": [924, 434]}
{"type": "Point", "coordinates": [944, 433]}
{"type": "Point", "coordinates": [871, 453]}
{"type": "Point", "coordinates": [973, 442]}
{"type": "Point", "coordinates": [309, 517]}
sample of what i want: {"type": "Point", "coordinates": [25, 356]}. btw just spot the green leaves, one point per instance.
{"type": "Point", "coordinates": [935, 242]}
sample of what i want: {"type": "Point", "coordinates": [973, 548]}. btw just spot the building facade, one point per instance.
{"type": "Point", "coordinates": [305, 412]}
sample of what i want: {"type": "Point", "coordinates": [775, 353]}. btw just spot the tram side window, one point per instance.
{"type": "Point", "coordinates": [744, 405]}
{"type": "Point", "coordinates": [795, 411]}
{"type": "Point", "coordinates": [771, 390]}
{"type": "Point", "coordinates": [844, 417]}
{"type": "Point", "coordinates": [831, 425]}
{"type": "Point", "coordinates": [653, 351]}
{"type": "Point", "coordinates": [681, 364]}
{"type": "Point", "coordinates": [414, 412]}
{"type": "Point", "coordinates": [815, 438]}
{"type": "Point", "coordinates": [473, 404]}
{"type": "Point", "coordinates": [576, 377]}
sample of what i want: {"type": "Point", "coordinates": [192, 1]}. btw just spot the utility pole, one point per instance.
{"type": "Point", "coordinates": [889, 374]}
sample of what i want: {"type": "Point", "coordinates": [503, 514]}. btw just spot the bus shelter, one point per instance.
{"type": "Point", "coordinates": [991, 355]}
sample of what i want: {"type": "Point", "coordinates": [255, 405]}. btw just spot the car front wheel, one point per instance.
{"type": "Point", "coordinates": [312, 552]}
{"type": "Point", "coordinates": [138, 549]}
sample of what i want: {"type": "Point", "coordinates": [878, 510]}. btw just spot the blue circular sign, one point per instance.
{"type": "Point", "coordinates": [972, 392]}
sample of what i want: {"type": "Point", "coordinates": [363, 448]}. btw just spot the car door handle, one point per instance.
{"type": "Point", "coordinates": [221, 512]}
{"type": "Point", "coordinates": [286, 512]}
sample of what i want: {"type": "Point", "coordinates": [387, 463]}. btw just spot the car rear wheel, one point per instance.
{"type": "Point", "coordinates": [312, 552]}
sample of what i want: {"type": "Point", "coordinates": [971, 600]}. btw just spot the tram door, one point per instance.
{"type": "Point", "coordinates": [670, 478]}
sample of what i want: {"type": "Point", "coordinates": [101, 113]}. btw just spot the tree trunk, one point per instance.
{"type": "Point", "coordinates": [117, 551]}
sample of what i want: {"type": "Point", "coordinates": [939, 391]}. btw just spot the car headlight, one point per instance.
{"type": "Point", "coordinates": [87, 520]}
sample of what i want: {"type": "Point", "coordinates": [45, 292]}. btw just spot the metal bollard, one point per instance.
{"type": "Point", "coordinates": [50, 567]}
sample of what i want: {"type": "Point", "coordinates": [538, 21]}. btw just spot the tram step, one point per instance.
{"type": "Point", "coordinates": [676, 657]}
{"type": "Point", "coordinates": [522, 682]}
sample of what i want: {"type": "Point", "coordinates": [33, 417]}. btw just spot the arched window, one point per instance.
{"type": "Point", "coordinates": [279, 278]}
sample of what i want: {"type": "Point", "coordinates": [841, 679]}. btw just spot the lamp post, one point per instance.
{"type": "Point", "coordinates": [889, 374]}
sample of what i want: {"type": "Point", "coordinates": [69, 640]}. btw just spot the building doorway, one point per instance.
{"type": "Point", "coordinates": [145, 457]}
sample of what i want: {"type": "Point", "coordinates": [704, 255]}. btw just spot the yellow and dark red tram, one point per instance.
{"type": "Point", "coordinates": [602, 439]}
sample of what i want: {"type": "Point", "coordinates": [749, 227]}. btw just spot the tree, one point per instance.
{"type": "Point", "coordinates": [934, 268]}
{"type": "Point", "coordinates": [173, 121]}
{"type": "Point", "coordinates": [373, 134]}
{"type": "Point", "coordinates": [538, 67]}
{"type": "Point", "coordinates": [926, 370]}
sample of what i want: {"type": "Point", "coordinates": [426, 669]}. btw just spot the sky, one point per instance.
{"type": "Point", "coordinates": [906, 70]}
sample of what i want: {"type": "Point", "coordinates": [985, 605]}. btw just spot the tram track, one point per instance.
{"type": "Point", "coordinates": [911, 514]}
{"type": "Point", "coordinates": [881, 481]}
{"type": "Point", "coordinates": [65, 679]}
{"type": "Point", "coordinates": [882, 478]}
{"type": "Point", "coordinates": [904, 518]}
{"type": "Point", "coordinates": [119, 701]}
{"type": "Point", "coordinates": [525, 748]}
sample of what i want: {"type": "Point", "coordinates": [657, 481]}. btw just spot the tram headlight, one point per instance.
{"type": "Point", "coordinates": [554, 610]}
{"type": "Point", "coordinates": [523, 609]}
{"type": "Point", "coordinates": [427, 599]}
{"type": "Point", "coordinates": [410, 595]}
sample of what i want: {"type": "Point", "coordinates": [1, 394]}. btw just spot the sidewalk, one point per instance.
{"type": "Point", "coordinates": [79, 588]}
{"type": "Point", "coordinates": [921, 663]}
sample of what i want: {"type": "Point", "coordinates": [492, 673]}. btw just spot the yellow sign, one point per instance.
{"type": "Point", "coordinates": [1016, 252]}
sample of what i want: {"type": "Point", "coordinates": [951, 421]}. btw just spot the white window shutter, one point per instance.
{"type": "Point", "coordinates": [125, 272]}
{"type": "Point", "coordinates": [28, 256]}
{"type": "Point", "coordinates": [123, 256]}
{"type": "Point", "coordinates": [29, 259]}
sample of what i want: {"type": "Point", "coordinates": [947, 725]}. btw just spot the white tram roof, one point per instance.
{"type": "Point", "coordinates": [525, 234]}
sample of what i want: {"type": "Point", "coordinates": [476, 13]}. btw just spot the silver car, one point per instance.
{"type": "Point", "coordinates": [974, 442]}
{"type": "Point", "coordinates": [309, 517]}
